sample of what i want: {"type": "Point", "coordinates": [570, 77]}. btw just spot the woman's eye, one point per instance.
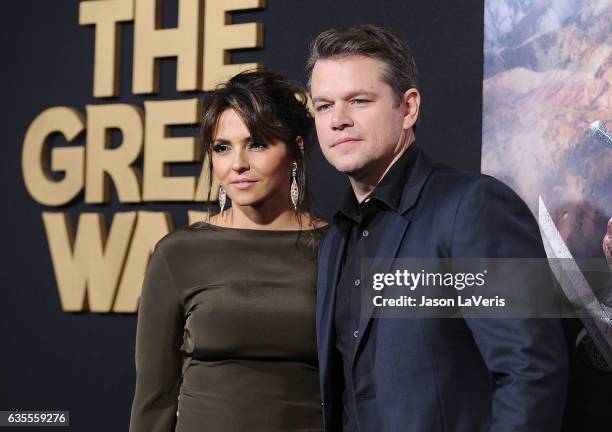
{"type": "Point", "coordinates": [220, 148]}
{"type": "Point", "coordinates": [257, 145]}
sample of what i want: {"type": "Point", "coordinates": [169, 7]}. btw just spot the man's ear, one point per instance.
{"type": "Point", "coordinates": [411, 103]}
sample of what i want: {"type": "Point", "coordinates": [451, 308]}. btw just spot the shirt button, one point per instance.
{"type": "Point", "coordinates": [365, 233]}
{"type": "Point", "coordinates": [357, 282]}
{"type": "Point", "coordinates": [356, 334]}
{"type": "Point", "coordinates": [367, 200]}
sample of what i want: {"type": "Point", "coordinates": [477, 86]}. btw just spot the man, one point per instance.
{"type": "Point", "coordinates": [416, 374]}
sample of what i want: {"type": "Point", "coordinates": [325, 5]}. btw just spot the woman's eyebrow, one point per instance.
{"type": "Point", "coordinates": [221, 141]}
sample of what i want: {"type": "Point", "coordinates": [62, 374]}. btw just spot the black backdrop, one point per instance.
{"type": "Point", "coordinates": [83, 362]}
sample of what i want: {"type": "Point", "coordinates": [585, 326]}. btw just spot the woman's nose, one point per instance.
{"type": "Point", "coordinates": [240, 162]}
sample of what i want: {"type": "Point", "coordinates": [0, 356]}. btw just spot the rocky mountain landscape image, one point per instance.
{"type": "Point", "coordinates": [547, 76]}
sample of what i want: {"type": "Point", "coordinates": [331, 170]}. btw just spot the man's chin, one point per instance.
{"type": "Point", "coordinates": [357, 172]}
{"type": "Point", "coordinates": [349, 168]}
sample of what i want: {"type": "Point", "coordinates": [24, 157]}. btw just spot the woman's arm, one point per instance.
{"type": "Point", "coordinates": [158, 359]}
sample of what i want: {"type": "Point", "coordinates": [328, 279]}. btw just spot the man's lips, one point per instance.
{"type": "Point", "coordinates": [345, 141]}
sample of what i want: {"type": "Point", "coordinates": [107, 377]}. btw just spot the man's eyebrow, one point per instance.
{"type": "Point", "coordinates": [358, 92]}
{"type": "Point", "coordinates": [319, 99]}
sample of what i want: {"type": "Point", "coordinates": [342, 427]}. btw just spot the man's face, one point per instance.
{"type": "Point", "coordinates": [360, 123]}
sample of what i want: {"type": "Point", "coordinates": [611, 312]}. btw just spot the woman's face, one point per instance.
{"type": "Point", "coordinates": [251, 172]}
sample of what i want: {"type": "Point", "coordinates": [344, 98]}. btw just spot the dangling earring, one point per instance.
{"type": "Point", "coordinates": [295, 192]}
{"type": "Point", "coordinates": [222, 198]}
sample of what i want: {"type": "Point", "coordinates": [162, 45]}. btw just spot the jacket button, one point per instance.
{"type": "Point", "coordinates": [356, 333]}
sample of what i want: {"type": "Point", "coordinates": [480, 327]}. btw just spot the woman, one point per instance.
{"type": "Point", "coordinates": [226, 330]}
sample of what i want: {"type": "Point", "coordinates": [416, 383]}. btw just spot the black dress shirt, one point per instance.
{"type": "Point", "coordinates": [362, 225]}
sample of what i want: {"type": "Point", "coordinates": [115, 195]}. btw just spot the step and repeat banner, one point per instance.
{"type": "Point", "coordinates": [101, 159]}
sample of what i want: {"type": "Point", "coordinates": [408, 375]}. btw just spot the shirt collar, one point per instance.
{"type": "Point", "coordinates": [388, 191]}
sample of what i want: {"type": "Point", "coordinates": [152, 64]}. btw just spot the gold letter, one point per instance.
{"type": "Point", "coordinates": [87, 269]}
{"type": "Point", "coordinates": [35, 165]}
{"type": "Point", "coordinates": [161, 149]}
{"type": "Point", "coordinates": [196, 216]}
{"type": "Point", "coordinates": [202, 189]}
{"type": "Point", "coordinates": [221, 37]}
{"type": "Point", "coordinates": [102, 159]}
{"type": "Point", "coordinates": [151, 43]}
{"type": "Point", "coordinates": [105, 14]}
{"type": "Point", "coordinates": [150, 228]}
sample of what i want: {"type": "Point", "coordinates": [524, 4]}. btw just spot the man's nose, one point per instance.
{"type": "Point", "coordinates": [340, 117]}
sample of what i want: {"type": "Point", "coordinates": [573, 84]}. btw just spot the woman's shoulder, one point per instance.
{"type": "Point", "coordinates": [318, 223]}
{"type": "Point", "coordinates": [312, 222]}
{"type": "Point", "coordinates": [184, 236]}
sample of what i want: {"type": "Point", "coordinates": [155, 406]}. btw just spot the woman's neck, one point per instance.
{"type": "Point", "coordinates": [249, 217]}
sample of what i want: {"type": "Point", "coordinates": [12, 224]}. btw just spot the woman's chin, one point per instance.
{"type": "Point", "coordinates": [248, 202]}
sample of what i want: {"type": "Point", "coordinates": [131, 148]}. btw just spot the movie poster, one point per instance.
{"type": "Point", "coordinates": [547, 80]}
{"type": "Point", "coordinates": [547, 77]}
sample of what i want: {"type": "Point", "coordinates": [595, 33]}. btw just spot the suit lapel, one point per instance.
{"type": "Point", "coordinates": [388, 248]}
{"type": "Point", "coordinates": [394, 234]}
{"type": "Point", "coordinates": [332, 250]}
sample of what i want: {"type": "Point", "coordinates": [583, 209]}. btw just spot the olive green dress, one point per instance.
{"type": "Point", "coordinates": [227, 320]}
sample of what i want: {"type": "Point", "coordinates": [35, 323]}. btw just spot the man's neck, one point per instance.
{"type": "Point", "coordinates": [363, 186]}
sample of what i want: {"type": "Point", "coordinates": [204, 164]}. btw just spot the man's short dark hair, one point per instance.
{"type": "Point", "coordinates": [369, 41]}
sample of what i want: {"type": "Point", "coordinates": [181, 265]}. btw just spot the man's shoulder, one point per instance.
{"type": "Point", "coordinates": [457, 178]}
{"type": "Point", "coordinates": [450, 182]}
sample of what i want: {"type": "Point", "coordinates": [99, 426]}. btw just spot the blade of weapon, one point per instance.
{"type": "Point", "coordinates": [600, 132]}
{"type": "Point", "coordinates": [575, 287]}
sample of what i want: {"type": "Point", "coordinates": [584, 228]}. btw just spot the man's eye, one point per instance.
{"type": "Point", "coordinates": [359, 101]}
{"type": "Point", "coordinates": [322, 107]}
{"type": "Point", "coordinates": [220, 148]}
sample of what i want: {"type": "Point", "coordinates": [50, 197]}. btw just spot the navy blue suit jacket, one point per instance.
{"type": "Point", "coordinates": [459, 375]}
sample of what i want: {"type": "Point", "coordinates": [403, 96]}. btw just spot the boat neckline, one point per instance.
{"type": "Point", "coordinates": [255, 230]}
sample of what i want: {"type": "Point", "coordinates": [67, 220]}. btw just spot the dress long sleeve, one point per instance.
{"type": "Point", "coordinates": [158, 357]}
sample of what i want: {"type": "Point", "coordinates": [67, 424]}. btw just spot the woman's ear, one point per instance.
{"type": "Point", "coordinates": [300, 142]}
